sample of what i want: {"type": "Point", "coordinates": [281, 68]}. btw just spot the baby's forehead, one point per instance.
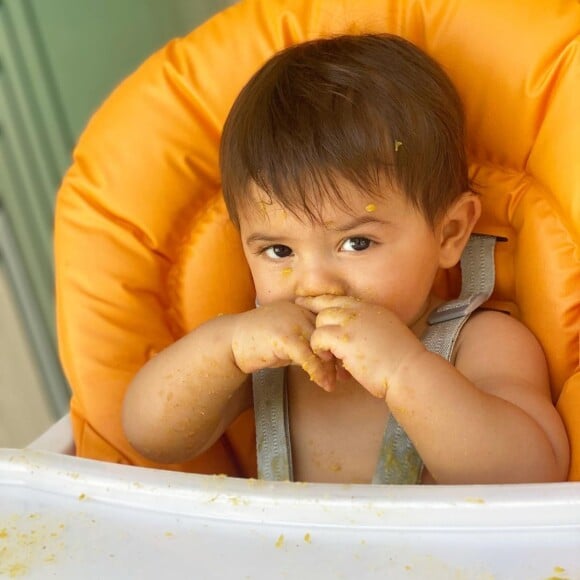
{"type": "Point", "coordinates": [324, 214]}
{"type": "Point", "coordinates": [314, 207]}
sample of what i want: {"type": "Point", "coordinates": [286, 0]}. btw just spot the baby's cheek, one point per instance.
{"type": "Point", "coordinates": [267, 294]}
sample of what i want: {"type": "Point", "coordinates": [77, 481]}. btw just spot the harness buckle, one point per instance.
{"type": "Point", "coordinates": [457, 308]}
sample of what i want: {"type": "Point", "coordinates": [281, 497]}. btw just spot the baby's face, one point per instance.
{"type": "Point", "coordinates": [381, 251]}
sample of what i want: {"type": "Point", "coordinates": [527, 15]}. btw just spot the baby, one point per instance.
{"type": "Point", "coordinates": [344, 168]}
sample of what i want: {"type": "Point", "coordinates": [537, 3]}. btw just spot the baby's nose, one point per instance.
{"type": "Point", "coordinates": [318, 280]}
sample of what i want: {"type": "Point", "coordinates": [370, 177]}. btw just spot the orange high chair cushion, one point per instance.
{"type": "Point", "coordinates": [144, 248]}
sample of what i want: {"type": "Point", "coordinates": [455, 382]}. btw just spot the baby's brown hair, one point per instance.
{"type": "Point", "coordinates": [371, 109]}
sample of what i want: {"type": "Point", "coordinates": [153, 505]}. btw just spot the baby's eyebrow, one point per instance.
{"type": "Point", "coordinates": [262, 238]}
{"type": "Point", "coordinates": [354, 223]}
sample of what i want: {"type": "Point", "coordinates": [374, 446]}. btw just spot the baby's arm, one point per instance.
{"type": "Point", "coordinates": [493, 409]}
{"type": "Point", "coordinates": [184, 398]}
{"type": "Point", "coordinates": [487, 419]}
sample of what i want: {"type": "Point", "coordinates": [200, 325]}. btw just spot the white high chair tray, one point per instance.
{"type": "Point", "coordinates": [66, 517]}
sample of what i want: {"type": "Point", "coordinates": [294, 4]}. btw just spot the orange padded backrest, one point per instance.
{"type": "Point", "coordinates": [144, 249]}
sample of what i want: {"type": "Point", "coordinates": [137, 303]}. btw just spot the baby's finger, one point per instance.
{"type": "Point", "coordinates": [335, 316]}
{"type": "Point", "coordinates": [322, 372]}
{"type": "Point", "coordinates": [341, 373]}
{"type": "Point", "coordinates": [330, 338]}
{"type": "Point", "coordinates": [318, 303]}
{"type": "Point", "coordinates": [325, 356]}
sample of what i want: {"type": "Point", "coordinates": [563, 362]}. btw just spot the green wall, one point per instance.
{"type": "Point", "coordinates": [91, 45]}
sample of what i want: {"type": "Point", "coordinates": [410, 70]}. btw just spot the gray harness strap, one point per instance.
{"type": "Point", "coordinates": [272, 425]}
{"type": "Point", "coordinates": [399, 462]}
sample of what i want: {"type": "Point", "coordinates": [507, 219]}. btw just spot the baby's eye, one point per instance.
{"type": "Point", "coordinates": [355, 244]}
{"type": "Point", "coordinates": [278, 251]}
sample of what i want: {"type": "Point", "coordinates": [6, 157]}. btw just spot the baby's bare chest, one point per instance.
{"type": "Point", "coordinates": [336, 437]}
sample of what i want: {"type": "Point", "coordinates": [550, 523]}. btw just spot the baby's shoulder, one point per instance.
{"type": "Point", "coordinates": [497, 325]}
{"type": "Point", "coordinates": [497, 342]}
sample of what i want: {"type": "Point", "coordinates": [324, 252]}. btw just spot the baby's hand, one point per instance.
{"type": "Point", "coordinates": [278, 335]}
{"type": "Point", "coordinates": [370, 340]}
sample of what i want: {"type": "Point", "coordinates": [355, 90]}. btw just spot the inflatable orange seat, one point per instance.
{"type": "Point", "coordinates": [144, 249]}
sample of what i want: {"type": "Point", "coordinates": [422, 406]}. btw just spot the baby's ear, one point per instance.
{"type": "Point", "coordinates": [456, 227]}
